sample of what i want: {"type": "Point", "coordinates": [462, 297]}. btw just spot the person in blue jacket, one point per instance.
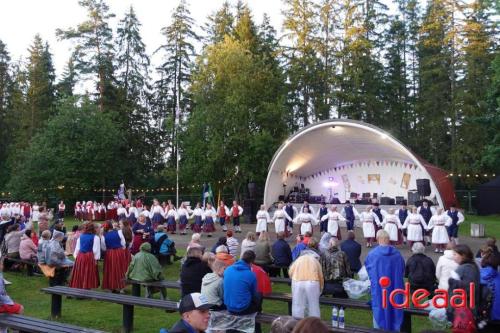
{"type": "Point", "coordinates": [491, 278]}
{"type": "Point", "coordinates": [240, 287]}
{"type": "Point", "coordinates": [282, 254]}
{"type": "Point", "coordinates": [299, 247]}
{"type": "Point", "coordinates": [353, 251]}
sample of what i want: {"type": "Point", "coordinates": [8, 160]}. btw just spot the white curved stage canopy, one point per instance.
{"type": "Point", "coordinates": [335, 158]}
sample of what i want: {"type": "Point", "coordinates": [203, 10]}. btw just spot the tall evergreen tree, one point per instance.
{"type": "Point", "coordinates": [5, 103]}
{"type": "Point", "coordinates": [66, 85]}
{"type": "Point", "coordinates": [219, 24]}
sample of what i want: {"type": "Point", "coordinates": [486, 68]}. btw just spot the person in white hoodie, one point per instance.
{"type": "Point", "coordinates": [445, 266]}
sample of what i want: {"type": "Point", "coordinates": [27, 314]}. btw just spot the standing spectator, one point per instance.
{"type": "Point", "coordinates": [192, 272]}
{"type": "Point", "coordinates": [56, 258]}
{"type": "Point", "coordinates": [263, 256]}
{"type": "Point", "coordinates": [27, 249]}
{"type": "Point", "coordinates": [282, 254]}
{"type": "Point", "coordinates": [420, 270]}
{"type": "Point", "coordinates": [194, 309]}
{"type": "Point", "coordinates": [87, 252]}
{"type": "Point", "coordinates": [385, 261]}
{"type": "Point", "coordinates": [248, 243]}
{"type": "Point", "coordinates": [353, 251]}
{"type": "Point", "coordinates": [222, 255]}
{"type": "Point", "coordinates": [144, 267]}
{"type": "Point", "coordinates": [240, 287]}
{"type": "Point", "coordinates": [445, 265]}
{"type": "Point", "coordinates": [4, 224]}
{"type": "Point", "coordinates": [491, 278]}
{"type": "Point", "coordinates": [336, 268]}
{"type": "Point", "coordinates": [232, 244]}
{"type": "Point", "coordinates": [212, 285]}
{"type": "Point", "coordinates": [307, 284]}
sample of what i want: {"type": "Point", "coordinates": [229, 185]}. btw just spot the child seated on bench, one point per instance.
{"type": "Point", "coordinates": [7, 305]}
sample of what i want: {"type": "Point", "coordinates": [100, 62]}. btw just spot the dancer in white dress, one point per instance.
{"type": "Point", "coordinates": [414, 223]}
{"type": "Point", "coordinates": [438, 223]}
{"type": "Point", "coordinates": [263, 219]}
{"type": "Point", "coordinates": [333, 218]}
{"type": "Point", "coordinates": [368, 222]}
{"type": "Point", "coordinates": [280, 219]}
{"type": "Point", "coordinates": [307, 220]}
{"type": "Point", "coordinates": [393, 227]}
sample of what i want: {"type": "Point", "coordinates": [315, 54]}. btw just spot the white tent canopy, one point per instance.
{"type": "Point", "coordinates": [358, 157]}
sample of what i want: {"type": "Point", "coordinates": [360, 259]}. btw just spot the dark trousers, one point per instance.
{"type": "Point", "coordinates": [350, 224]}
{"type": "Point", "coordinates": [60, 277]}
{"type": "Point", "coordinates": [236, 220]}
{"type": "Point", "coordinates": [323, 226]}
{"type": "Point", "coordinates": [279, 271]}
{"type": "Point", "coordinates": [335, 289]}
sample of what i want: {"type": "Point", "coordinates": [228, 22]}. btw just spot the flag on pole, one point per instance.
{"type": "Point", "coordinates": [207, 196]}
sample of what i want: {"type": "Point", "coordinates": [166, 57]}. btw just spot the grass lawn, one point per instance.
{"type": "Point", "coordinates": [108, 317]}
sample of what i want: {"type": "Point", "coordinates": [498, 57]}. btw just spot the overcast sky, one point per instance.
{"type": "Point", "coordinates": [20, 20]}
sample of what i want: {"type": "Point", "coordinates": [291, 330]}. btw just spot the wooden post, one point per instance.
{"type": "Point", "coordinates": [406, 326]}
{"type": "Point", "coordinates": [128, 318]}
{"type": "Point", "coordinates": [136, 290]}
{"type": "Point", "coordinates": [289, 308]}
{"type": "Point", "coordinates": [56, 306]}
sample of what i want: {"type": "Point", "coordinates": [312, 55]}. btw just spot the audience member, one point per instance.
{"type": "Point", "coordinates": [420, 270]}
{"type": "Point", "coordinates": [164, 247]}
{"type": "Point", "coordinates": [283, 324]}
{"type": "Point", "coordinates": [445, 265]}
{"type": "Point", "coordinates": [282, 254]}
{"type": "Point", "coordinates": [263, 281]}
{"type": "Point", "coordinates": [300, 245]}
{"type": "Point", "coordinates": [13, 240]}
{"type": "Point", "coordinates": [222, 255]}
{"type": "Point", "coordinates": [7, 305]}
{"type": "Point", "coordinates": [311, 325]}
{"type": "Point", "coordinates": [385, 261]}
{"type": "Point", "coordinates": [353, 251]}
{"type": "Point", "coordinates": [192, 271]}
{"type": "Point", "coordinates": [248, 243]}
{"type": "Point", "coordinates": [212, 285]}
{"type": "Point", "coordinates": [491, 278]}
{"type": "Point", "coordinates": [194, 309]}
{"type": "Point", "coordinates": [307, 284]}
{"type": "Point", "coordinates": [221, 241]}
{"type": "Point", "coordinates": [27, 249]}
{"type": "Point", "coordinates": [232, 244]}
{"type": "Point", "coordinates": [145, 267]}
{"type": "Point", "coordinates": [324, 242]}
{"type": "Point", "coordinates": [5, 223]}
{"type": "Point", "coordinates": [336, 268]}
{"type": "Point", "coordinates": [56, 258]}
{"type": "Point", "coordinates": [195, 242]}
{"type": "Point", "coordinates": [263, 256]}
{"type": "Point", "coordinates": [42, 246]}
{"type": "Point", "coordinates": [43, 223]}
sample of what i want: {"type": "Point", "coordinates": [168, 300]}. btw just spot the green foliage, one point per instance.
{"type": "Point", "coordinates": [75, 149]}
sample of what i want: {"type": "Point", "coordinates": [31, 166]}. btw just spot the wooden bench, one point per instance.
{"type": "Point", "coordinates": [28, 324]}
{"type": "Point", "coordinates": [287, 297]}
{"type": "Point", "coordinates": [30, 264]}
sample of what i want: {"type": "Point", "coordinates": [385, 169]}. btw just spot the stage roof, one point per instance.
{"type": "Point", "coordinates": [329, 143]}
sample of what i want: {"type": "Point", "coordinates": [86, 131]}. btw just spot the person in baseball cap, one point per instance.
{"type": "Point", "coordinates": [194, 312]}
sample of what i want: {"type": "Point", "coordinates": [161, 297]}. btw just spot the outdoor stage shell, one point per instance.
{"type": "Point", "coordinates": [337, 157]}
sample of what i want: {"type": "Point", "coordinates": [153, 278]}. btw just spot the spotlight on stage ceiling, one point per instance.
{"type": "Point", "coordinates": [330, 183]}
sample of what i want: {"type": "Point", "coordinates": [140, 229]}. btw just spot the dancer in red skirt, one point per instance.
{"type": "Point", "coordinates": [116, 260]}
{"type": "Point", "coordinates": [143, 233]}
{"type": "Point", "coordinates": [87, 251]}
{"type": "Point", "coordinates": [210, 216]}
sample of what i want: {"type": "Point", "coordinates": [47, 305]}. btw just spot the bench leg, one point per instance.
{"type": "Point", "coordinates": [289, 308]}
{"type": "Point", "coordinates": [56, 306]}
{"type": "Point", "coordinates": [406, 326]}
{"type": "Point", "coordinates": [136, 290]}
{"type": "Point", "coordinates": [29, 269]}
{"type": "Point", "coordinates": [128, 318]}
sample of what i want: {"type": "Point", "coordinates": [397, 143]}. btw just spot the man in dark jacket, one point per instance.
{"type": "Point", "coordinates": [192, 272]}
{"type": "Point", "coordinates": [353, 251]}
{"type": "Point", "coordinates": [282, 254]}
{"type": "Point", "coordinates": [195, 315]}
{"type": "Point", "coordinates": [420, 270]}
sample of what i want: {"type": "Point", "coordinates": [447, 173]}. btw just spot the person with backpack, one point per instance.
{"type": "Point", "coordinates": [489, 306]}
{"type": "Point", "coordinates": [163, 247]}
{"type": "Point", "coordinates": [420, 270]}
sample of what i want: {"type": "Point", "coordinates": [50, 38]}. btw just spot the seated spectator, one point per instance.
{"type": "Point", "coordinates": [263, 281]}
{"type": "Point", "coordinates": [42, 246]}
{"type": "Point", "coordinates": [300, 245]}
{"type": "Point", "coordinates": [43, 223]}
{"type": "Point", "coordinates": [248, 243]}
{"type": "Point", "coordinates": [145, 267]}
{"type": "Point", "coordinates": [490, 242]}
{"type": "Point", "coordinates": [420, 270]}
{"type": "Point", "coordinates": [312, 248]}
{"type": "Point", "coordinates": [192, 271]}
{"type": "Point", "coordinates": [212, 285]}
{"type": "Point", "coordinates": [71, 239]}
{"type": "Point", "coordinates": [5, 223]}
{"type": "Point", "coordinates": [27, 249]}
{"type": "Point", "coordinates": [56, 258]}
{"type": "Point", "coordinates": [445, 265]}
{"type": "Point", "coordinates": [491, 278]}
{"type": "Point", "coordinates": [307, 237]}
{"type": "Point", "coordinates": [194, 309]}
{"type": "Point", "coordinates": [195, 242]}
{"type": "Point", "coordinates": [336, 268]}
{"type": "Point", "coordinates": [222, 255]}
{"type": "Point", "coordinates": [353, 251]}
{"type": "Point", "coordinates": [263, 256]}
{"type": "Point", "coordinates": [283, 324]}
{"type": "Point", "coordinates": [221, 241]}
{"type": "Point", "coordinates": [240, 287]}
{"type": "Point", "coordinates": [232, 244]}
{"type": "Point", "coordinates": [163, 246]}
{"type": "Point", "coordinates": [307, 284]}
{"type": "Point", "coordinates": [282, 254]}
{"type": "Point", "coordinates": [13, 241]}
{"type": "Point", "coordinates": [324, 242]}
{"type": "Point", "coordinates": [7, 305]}
{"type": "Point", "coordinates": [311, 325]}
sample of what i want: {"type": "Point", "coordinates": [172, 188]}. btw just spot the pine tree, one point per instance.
{"type": "Point", "coordinates": [64, 88]}
{"type": "Point", "coordinates": [176, 70]}
{"type": "Point", "coordinates": [219, 24]}
{"type": "Point", "coordinates": [245, 30]}
{"type": "Point", "coordinates": [5, 101]}
{"type": "Point", "coordinates": [94, 49]}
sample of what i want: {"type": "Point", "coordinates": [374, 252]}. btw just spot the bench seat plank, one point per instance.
{"type": "Point", "coordinates": [29, 324]}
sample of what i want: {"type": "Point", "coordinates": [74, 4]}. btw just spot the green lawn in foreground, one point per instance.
{"type": "Point", "coordinates": [108, 317]}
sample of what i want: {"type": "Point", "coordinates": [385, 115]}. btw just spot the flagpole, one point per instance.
{"type": "Point", "coordinates": [177, 114]}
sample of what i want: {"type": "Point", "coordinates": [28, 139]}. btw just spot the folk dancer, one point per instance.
{"type": "Point", "coordinates": [414, 224]}
{"type": "Point", "coordinates": [323, 224]}
{"type": "Point", "coordinates": [291, 212]}
{"type": "Point", "coordinates": [333, 218]}
{"type": "Point", "coordinates": [116, 258]}
{"type": "Point", "coordinates": [426, 213]}
{"type": "Point", "coordinates": [133, 213]}
{"type": "Point", "coordinates": [183, 212]}
{"type": "Point", "coordinates": [263, 218]}
{"type": "Point", "coordinates": [121, 212]}
{"type": "Point", "coordinates": [306, 205]}
{"type": "Point", "coordinates": [369, 221]}
{"type": "Point", "coordinates": [60, 210]}
{"type": "Point", "coordinates": [438, 223]}
{"type": "Point", "coordinates": [236, 212]}
{"type": "Point", "coordinates": [27, 211]}
{"type": "Point", "coordinates": [111, 213]}
{"type": "Point", "coordinates": [156, 214]}
{"type": "Point", "coordinates": [87, 252]}
{"type": "Point", "coordinates": [223, 215]}
{"type": "Point", "coordinates": [457, 218]}
{"type": "Point", "coordinates": [402, 214]}
{"type": "Point", "coordinates": [143, 233]}
{"type": "Point", "coordinates": [89, 211]}
{"type": "Point", "coordinates": [392, 226]}
{"type": "Point", "coordinates": [350, 213]}
{"type": "Point", "coordinates": [380, 213]}
{"type": "Point", "coordinates": [307, 220]}
{"type": "Point", "coordinates": [280, 219]}
{"type": "Point", "coordinates": [35, 212]}
{"type": "Point", "coordinates": [172, 217]}
{"type": "Point", "coordinates": [199, 217]}
{"type": "Point", "coordinates": [210, 217]}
